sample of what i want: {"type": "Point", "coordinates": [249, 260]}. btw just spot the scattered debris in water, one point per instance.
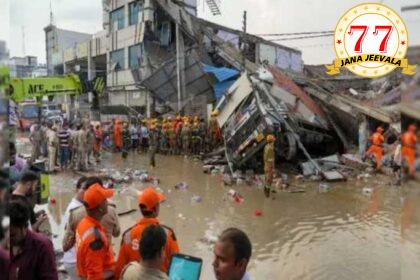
{"type": "Point", "coordinates": [324, 187]}
{"type": "Point", "coordinates": [196, 199]}
{"type": "Point", "coordinates": [367, 191]}
{"type": "Point", "coordinates": [181, 186]}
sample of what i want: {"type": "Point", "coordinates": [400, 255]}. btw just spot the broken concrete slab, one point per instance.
{"type": "Point", "coordinates": [354, 161]}
{"type": "Point", "coordinates": [333, 176]}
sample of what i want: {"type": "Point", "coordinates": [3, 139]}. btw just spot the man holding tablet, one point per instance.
{"type": "Point", "coordinates": [152, 244]}
{"type": "Point", "coordinates": [149, 201]}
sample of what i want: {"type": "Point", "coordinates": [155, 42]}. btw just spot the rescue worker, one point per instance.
{"type": "Point", "coordinates": [186, 136]}
{"type": "Point", "coordinates": [377, 140]}
{"type": "Point", "coordinates": [215, 132]}
{"type": "Point", "coordinates": [171, 136]}
{"type": "Point", "coordinates": [149, 202]}
{"type": "Point", "coordinates": [52, 142]}
{"type": "Point", "coordinates": [80, 145]}
{"type": "Point", "coordinates": [117, 136]}
{"type": "Point", "coordinates": [179, 125]}
{"type": "Point", "coordinates": [144, 136]}
{"type": "Point", "coordinates": [90, 139]}
{"type": "Point", "coordinates": [35, 137]}
{"type": "Point", "coordinates": [196, 138]}
{"type": "Point", "coordinates": [95, 260]}
{"type": "Point", "coordinates": [126, 139]}
{"type": "Point", "coordinates": [153, 145]}
{"type": "Point", "coordinates": [72, 145]}
{"type": "Point", "coordinates": [202, 131]}
{"type": "Point", "coordinates": [98, 133]}
{"type": "Point", "coordinates": [408, 151]}
{"type": "Point", "coordinates": [269, 163]}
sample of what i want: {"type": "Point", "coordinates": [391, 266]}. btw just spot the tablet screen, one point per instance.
{"type": "Point", "coordinates": [184, 268]}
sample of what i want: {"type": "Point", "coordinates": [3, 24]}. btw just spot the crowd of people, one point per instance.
{"type": "Point", "coordinates": [90, 225]}
{"type": "Point", "coordinates": [76, 145]}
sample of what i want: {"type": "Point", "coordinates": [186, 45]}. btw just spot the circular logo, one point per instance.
{"type": "Point", "coordinates": [370, 40]}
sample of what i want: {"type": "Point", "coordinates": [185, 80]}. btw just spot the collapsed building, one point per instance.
{"type": "Point", "coordinates": [161, 58]}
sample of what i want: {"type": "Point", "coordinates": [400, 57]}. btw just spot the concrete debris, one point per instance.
{"type": "Point", "coordinates": [196, 199]}
{"type": "Point", "coordinates": [181, 186]}
{"type": "Point", "coordinates": [354, 161]}
{"type": "Point", "coordinates": [324, 187]}
{"type": "Point", "coordinates": [333, 176]}
{"type": "Point", "coordinates": [227, 180]}
{"type": "Point", "coordinates": [363, 176]}
{"type": "Point", "coordinates": [207, 168]}
{"type": "Point", "coordinates": [235, 196]}
{"type": "Point", "coordinates": [314, 178]}
{"type": "Point", "coordinates": [367, 191]}
{"type": "Point", "coordinates": [209, 238]}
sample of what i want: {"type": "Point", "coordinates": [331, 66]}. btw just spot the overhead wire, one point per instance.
{"type": "Point", "coordinates": [295, 33]}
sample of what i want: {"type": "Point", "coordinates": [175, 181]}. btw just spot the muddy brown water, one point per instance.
{"type": "Point", "coordinates": [341, 234]}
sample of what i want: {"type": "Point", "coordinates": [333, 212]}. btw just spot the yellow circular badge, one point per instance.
{"type": "Point", "coordinates": [370, 40]}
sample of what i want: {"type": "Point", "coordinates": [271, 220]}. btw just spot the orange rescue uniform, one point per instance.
{"type": "Point", "coordinates": [408, 152]}
{"type": "Point", "coordinates": [95, 260]}
{"type": "Point", "coordinates": [118, 135]}
{"type": "Point", "coordinates": [129, 250]}
{"type": "Point", "coordinates": [376, 148]}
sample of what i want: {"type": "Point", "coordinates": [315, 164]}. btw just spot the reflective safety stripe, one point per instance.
{"type": "Point", "coordinates": [87, 233]}
{"type": "Point", "coordinates": [127, 238]}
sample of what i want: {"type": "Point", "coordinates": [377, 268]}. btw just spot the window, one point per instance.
{"type": "Point", "coordinates": [134, 10]}
{"type": "Point", "coordinates": [117, 19]}
{"type": "Point", "coordinates": [117, 58]}
{"type": "Point", "coordinates": [135, 55]}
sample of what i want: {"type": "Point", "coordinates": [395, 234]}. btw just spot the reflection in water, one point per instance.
{"type": "Point", "coordinates": [341, 234]}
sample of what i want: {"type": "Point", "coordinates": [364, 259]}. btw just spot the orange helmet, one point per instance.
{"type": "Point", "coordinates": [379, 129]}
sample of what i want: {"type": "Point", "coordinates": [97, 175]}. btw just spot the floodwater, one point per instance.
{"type": "Point", "coordinates": [341, 234]}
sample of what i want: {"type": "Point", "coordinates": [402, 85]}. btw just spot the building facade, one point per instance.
{"type": "Point", "coordinates": [57, 41]}
{"type": "Point", "coordinates": [137, 53]}
{"type": "Point", "coordinates": [4, 53]}
{"type": "Point", "coordinates": [25, 67]}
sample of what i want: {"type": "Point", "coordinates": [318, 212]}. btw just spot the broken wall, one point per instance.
{"type": "Point", "coordinates": [280, 57]}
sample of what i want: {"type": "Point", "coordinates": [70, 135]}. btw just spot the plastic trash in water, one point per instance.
{"type": "Point", "coordinates": [363, 176]}
{"type": "Point", "coordinates": [143, 177]}
{"type": "Point", "coordinates": [235, 196]}
{"type": "Point", "coordinates": [196, 199]}
{"type": "Point", "coordinates": [209, 238]}
{"type": "Point", "coordinates": [258, 213]}
{"type": "Point", "coordinates": [324, 187]}
{"type": "Point", "coordinates": [227, 180]}
{"type": "Point", "coordinates": [181, 186]}
{"type": "Point", "coordinates": [367, 191]}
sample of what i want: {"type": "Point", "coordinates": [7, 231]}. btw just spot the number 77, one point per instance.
{"type": "Point", "coordinates": [382, 47]}
{"type": "Point", "coordinates": [364, 29]}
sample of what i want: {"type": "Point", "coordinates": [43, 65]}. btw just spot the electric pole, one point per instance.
{"type": "Point", "coordinates": [244, 25]}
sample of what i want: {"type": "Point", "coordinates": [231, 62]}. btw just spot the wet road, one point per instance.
{"type": "Point", "coordinates": [341, 234]}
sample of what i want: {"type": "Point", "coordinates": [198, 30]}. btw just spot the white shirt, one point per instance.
{"type": "Point", "coordinates": [246, 276]}
{"type": "Point", "coordinates": [69, 257]}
